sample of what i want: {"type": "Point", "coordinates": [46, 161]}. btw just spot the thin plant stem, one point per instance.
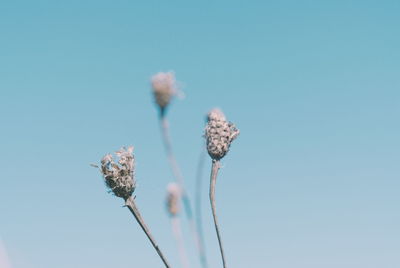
{"type": "Point", "coordinates": [198, 199]}
{"type": "Point", "coordinates": [130, 203]}
{"type": "Point", "coordinates": [213, 180]}
{"type": "Point", "coordinates": [179, 178]}
{"type": "Point", "coordinates": [174, 166]}
{"type": "Point", "coordinates": [177, 231]}
{"type": "Point", "coordinates": [168, 148]}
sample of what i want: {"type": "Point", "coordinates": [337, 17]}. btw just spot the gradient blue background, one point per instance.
{"type": "Point", "coordinates": [312, 181]}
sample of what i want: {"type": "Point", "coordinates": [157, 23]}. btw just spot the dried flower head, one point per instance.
{"type": "Point", "coordinates": [164, 88]}
{"type": "Point", "coordinates": [119, 177]}
{"type": "Point", "coordinates": [219, 134]}
{"type": "Point", "coordinates": [173, 198]}
{"type": "Point", "coordinates": [215, 114]}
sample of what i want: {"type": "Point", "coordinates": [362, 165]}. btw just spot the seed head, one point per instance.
{"type": "Point", "coordinates": [215, 114]}
{"type": "Point", "coordinates": [119, 177]}
{"type": "Point", "coordinates": [173, 198]}
{"type": "Point", "coordinates": [164, 88]}
{"type": "Point", "coordinates": [219, 134]}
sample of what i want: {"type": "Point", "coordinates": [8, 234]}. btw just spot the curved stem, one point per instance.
{"type": "Point", "coordinates": [168, 148]}
{"type": "Point", "coordinates": [177, 231]}
{"type": "Point", "coordinates": [213, 180]}
{"type": "Point", "coordinates": [130, 203]}
{"type": "Point", "coordinates": [174, 166]}
{"type": "Point", "coordinates": [180, 180]}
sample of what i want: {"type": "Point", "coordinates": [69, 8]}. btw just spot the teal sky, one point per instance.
{"type": "Point", "coordinates": [314, 86]}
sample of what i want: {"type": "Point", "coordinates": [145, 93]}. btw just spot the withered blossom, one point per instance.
{"type": "Point", "coordinates": [119, 177]}
{"type": "Point", "coordinates": [164, 88]}
{"type": "Point", "coordinates": [219, 134]}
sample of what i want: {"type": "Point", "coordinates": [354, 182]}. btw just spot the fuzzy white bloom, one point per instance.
{"type": "Point", "coordinates": [174, 193]}
{"type": "Point", "coordinates": [219, 134]}
{"type": "Point", "coordinates": [164, 88]}
{"type": "Point", "coordinates": [120, 177]}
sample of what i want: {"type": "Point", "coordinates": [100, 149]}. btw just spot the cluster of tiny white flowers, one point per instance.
{"type": "Point", "coordinates": [164, 88]}
{"type": "Point", "coordinates": [173, 198]}
{"type": "Point", "coordinates": [219, 134]}
{"type": "Point", "coordinates": [119, 177]}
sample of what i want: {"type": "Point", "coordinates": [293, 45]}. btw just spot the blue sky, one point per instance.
{"type": "Point", "coordinates": [312, 181]}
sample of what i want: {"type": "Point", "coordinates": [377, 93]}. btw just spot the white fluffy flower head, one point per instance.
{"type": "Point", "coordinates": [119, 177]}
{"type": "Point", "coordinates": [164, 88]}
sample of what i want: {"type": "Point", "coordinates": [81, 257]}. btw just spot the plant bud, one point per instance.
{"type": "Point", "coordinates": [219, 134]}
{"type": "Point", "coordinates": [173, 198]}
{"type": "Point", "coordinates": [164, 88]}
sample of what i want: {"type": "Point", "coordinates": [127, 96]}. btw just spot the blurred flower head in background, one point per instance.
{"type": "Point", "coordinates": [164, 88]}
{"type": "Point", "coordinates": [173, 198]}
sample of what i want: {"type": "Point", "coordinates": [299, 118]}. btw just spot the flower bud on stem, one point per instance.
{"type": "Point", "coordinates": [219, 134]}
{"type": "Point", "coordinates": [119, 176]}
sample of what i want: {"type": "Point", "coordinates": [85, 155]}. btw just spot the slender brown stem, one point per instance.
{"type": "Point", "coordinates": [180, 180]}
{"type": "Point", "coordinates": [130, 203]}
{"type": "Point", "coordinates": [213, 180]}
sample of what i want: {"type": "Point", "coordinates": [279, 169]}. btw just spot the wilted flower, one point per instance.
{"type": "Point", "coordinates": [219, 134]}
{"type": "Point", "coordinates": [164, 88]}
{"type": "Point", "coordinates": [173, 198]}
{"type": "Point", "coordinates": [119, 177]}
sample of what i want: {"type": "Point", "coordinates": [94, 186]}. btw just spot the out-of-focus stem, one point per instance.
{"type": "Point", "coordinates": [130, 203]}
{"type": "Point", "coordinates": [179, 178]}
{"type": "Point", "coordinates": [168, 148]}
{"type": "Point", "coordinates": [174, 166]}
{"type": "Point", "coordinates": [213, 180]}
{"type": "Point", "coordinates": [199, 223]}
{"type": "Point", "coordinates": [177, 231]}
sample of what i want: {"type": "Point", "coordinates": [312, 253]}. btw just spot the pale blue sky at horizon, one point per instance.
{"type": "Point", "coordinates": [312, 181]}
